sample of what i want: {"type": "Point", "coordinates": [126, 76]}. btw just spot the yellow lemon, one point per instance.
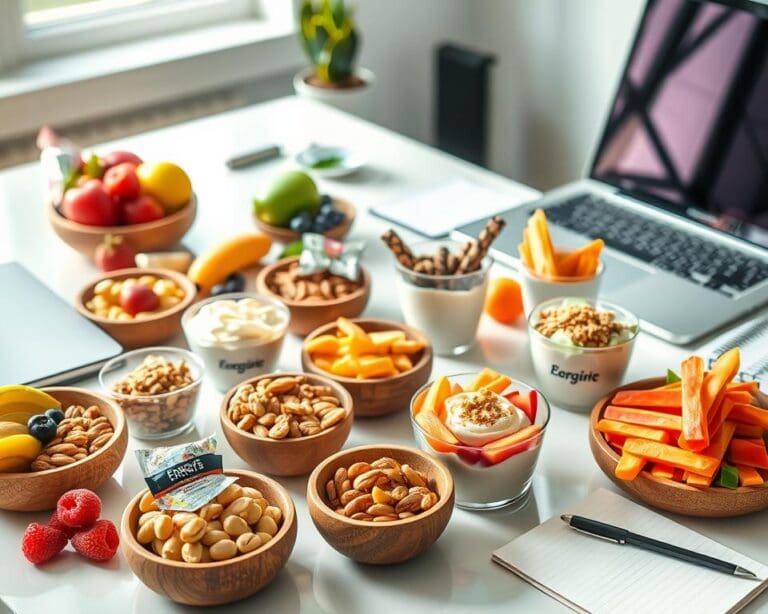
{"type": "Point", "coordinates": [166, 182]}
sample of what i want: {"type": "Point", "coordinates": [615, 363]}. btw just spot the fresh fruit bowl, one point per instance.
{"type": "Point", "coordinates": [666, 494]}
{"type": "Point", "coordinates": [39, 490]}
{"type": "Point", "coordinates": [150, 327]}
{"type": "Point", "coordinates": [218, 582]}
{"type": "Point", "coordinates": [286, 235]}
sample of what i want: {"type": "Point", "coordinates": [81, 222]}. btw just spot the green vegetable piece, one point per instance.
{"type": "Point", "coordinates": [729, 476]}
{"type": "Point", "coordinates": [328, 162]}
{"type": "Point", "coordinates": [672, 377]}
{"type": "Point", "coordinates": [292, 249]}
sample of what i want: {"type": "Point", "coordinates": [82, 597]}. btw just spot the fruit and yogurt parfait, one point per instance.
{"type": "Point", "coordinates": [487, 429]}
{"type": "Point", "coordinates": [580, 349]}
{"type": "Point", "coordinates": [237, 335]}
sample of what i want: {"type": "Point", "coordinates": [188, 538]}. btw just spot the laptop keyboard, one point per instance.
{"type": "Point", "coordinates": [706, 263]}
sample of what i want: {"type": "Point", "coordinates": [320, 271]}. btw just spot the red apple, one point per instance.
{"type": "Point", "coordinates": [113, 158]}
{"type": "Point", "coordinates": [121, 182]}
{"type": "Point", "coordinates": [90, 204]}
{"type": "Point", "coordinates": [114, 253]}
{"type": "Point", "coordinates": [142, 209]}
{"type": "Point", "coordinates": [138, 297]}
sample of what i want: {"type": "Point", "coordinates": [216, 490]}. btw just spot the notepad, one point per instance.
{"type": "Point", "coordinates": [436, 210]}
{"type": "Point", "coordinates": [751, 338]}
{"type": "Point", "coordinates": [589, 574]}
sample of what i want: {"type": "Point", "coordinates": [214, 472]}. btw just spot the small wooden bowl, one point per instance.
{"type": "Point", "coordinates": [675, 497]}
{"type": "Point", "coordinates": [378, 397]}
{"type": "Point", "coordinates": [288, 456]}
{"type": "Point", "coordinates": [147, 237]}
{"type": "Point", "coordinates": [40, 490]}
{"type": "Point", "coordinates": [381, 543]}
{"type": "Point", "coordinates": [150, 330]}
{"type": "Point", "coordinates": [218, 582]}
{"type": "Point", "coordinates": [286, 235]}
{"type": "Point", "coordinates": [306, 317]}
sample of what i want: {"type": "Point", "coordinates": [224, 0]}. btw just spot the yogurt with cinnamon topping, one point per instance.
{"type": "Point", "coordinates": [477, 418]}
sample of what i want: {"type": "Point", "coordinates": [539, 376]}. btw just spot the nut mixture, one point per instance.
{"type": "Point", "coordinates": [381, 491]}
{"type": "Point", "coordinates": [81, 433]}
{"type": "Point", "coordinates": [315, 288]}
{"type": "Point", "coordinates": [585, 325]}
{"type": "Point", "coordinates": [285, 407]}
{"type": "Point", "coordinates": [157, 376]}
{"type": "Point", "coordinates": [106, 296]}
{"type": "Point", "coordinates": [238, 521]}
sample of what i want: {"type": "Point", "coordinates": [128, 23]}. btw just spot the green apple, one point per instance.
{"type": "Point", "coordinates": [290, 194]}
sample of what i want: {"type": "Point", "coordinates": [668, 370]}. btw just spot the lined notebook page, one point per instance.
{"type": "Point", "coordinates": [593, 575]}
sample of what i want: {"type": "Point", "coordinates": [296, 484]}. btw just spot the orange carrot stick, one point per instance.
{"type": "Point", "coordinates": [750, 414]}
{"type": "Point", "coordinates": [645, 417]}
{"type": "Point", "coordinates": [654, 399]}
{"type": "Point", "coordinates": [672, 455]}
{"type": "Point", "coordinates": [749, 476]}
{"type": "Point", "coordinates": [632, 430]}
{"type": "Point", "coordinates": [716, 449]}
{"type": "Point", "coordinates": [629, 466]}
{"type": "Point", "coordinates": [694, 434]}
{"type": "Point", "coordinates": [721, 373]}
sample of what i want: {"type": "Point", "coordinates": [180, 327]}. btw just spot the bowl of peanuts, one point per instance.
{"type": "Point", "coordinates": [89, 446]}
{"type": "Point", "coordinates": [380, 504]}
{"type": "Point", "coordinates": [227, 550]}
{"type": "Point", "coordinates": [286, 423]}
{"type": "Point", "coordinates": [137, 317]}
{"type": "Point", "coordinates": [315, 299]}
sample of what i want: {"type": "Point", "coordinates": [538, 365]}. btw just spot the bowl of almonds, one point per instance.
{"type": "Point", "coordinates": [313, 299]}
{"type": "Point", "coordinates": [286, 423]}
{"type": "Point", "coordinates": [227, 550]}
{"type": "Point", "coordinates": [380, 504]}
{"type": "Point", "coordinates": [88, 448]}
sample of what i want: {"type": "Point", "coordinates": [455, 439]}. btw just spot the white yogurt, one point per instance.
{"type": "Point", "coordinates": [495, 419]}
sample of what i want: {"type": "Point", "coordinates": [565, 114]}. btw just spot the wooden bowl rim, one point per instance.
{"type": "Point", "coordinates": [313, 488]}
{"type": "Point", "coordinates": [289, 519]}
{"type": "Point", "coordinates": [119, 428]}
{"type": "Point", "coordinates": [286, 233]}
{"type": "Point", "coordinates": [651, 382]}
{"type": "Point", "coordinates": [190, 293]}
{"type": "Point", "coordinates": [267, 271]}
{"type": "Point", "coordinates": [345, 398]}
{"type": "Point", "coordinates": [410, 333]}
{"type": "Point", "coordinates": [58, 218]}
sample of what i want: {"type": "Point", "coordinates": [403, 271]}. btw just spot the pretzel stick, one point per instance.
{"type": "Point", "coordinates": [488, 235]}
{"type": "Point", "coordinates": [396, 245]}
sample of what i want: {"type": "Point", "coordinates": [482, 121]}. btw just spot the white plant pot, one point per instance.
{"type": "Point", "coordinates": [355, 100]}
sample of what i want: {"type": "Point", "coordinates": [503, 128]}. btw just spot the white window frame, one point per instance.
{"type": "Point", "coordinates": [19, 44]}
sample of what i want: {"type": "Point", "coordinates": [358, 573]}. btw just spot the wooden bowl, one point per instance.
{"type": "Point", "coordinates": [288, 456]}
{"type": "Point", "coordinates": [286, 235]}
{"type": "Point", "coordinates": [381, 543]}
{"type": "Point", "coordinates": [306, 317]}
{"type": "Point", "coordinates": [40, 490]}
{"type": "Point", "coordinates": [219, 582]}
{"type": "Point", "coordinates": [147, 237]}
{"type": "Point", "coordinates": [150, 330]}
{"type": "Point", "coordinates": [378, 397]}
{"type": "Point", "coordinates": [714, 502]}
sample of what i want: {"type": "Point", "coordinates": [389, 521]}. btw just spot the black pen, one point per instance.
{"type": "Point", "coordinates": [622, 536]}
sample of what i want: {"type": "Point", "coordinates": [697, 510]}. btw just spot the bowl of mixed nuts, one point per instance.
{"type": "Point", "coordinates": [313, 299]}
{"type": "Point", "coordinates": [227, 550]}
{"type": "Point", "coordinates": [89, 446]}
{"type": "Point", "coordinates": [157, 388]}
{"type": "Point", "coordinates": [380, 504]}
{"type": "Point", "coordinates": [286, 423]}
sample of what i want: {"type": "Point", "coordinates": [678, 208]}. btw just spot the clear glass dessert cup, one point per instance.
{"type": "Point", "coordinates": [446, 308]}
{"type": "Point", "coordinates": [574, 377]}
{"type": "Point", "coordinates": [492, 476]}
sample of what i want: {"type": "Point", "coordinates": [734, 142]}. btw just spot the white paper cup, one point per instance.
{"type": "Point", "coordinates": [537, 289]}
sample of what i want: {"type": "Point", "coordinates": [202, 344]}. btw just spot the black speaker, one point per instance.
{"type": "Point", "coordinates": [462, 102]}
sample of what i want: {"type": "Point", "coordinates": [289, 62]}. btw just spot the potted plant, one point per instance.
{"type": "Point", "coordinates": [328, 35]}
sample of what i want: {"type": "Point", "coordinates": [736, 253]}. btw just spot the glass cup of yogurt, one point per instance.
{"type": "Point", "coordinates": [446, 308]}
{"type": "Point", "coordinates": [237, 335]}
{"type": "Point", "coordinates": [537, 289]}
{"type": "Point", "coordinates": [489, 440]}
{"type": "Point", "coordinates": [580, 349]}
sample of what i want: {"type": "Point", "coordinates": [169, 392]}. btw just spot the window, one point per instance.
{"type": "Point", "coordinates": [34, 29]}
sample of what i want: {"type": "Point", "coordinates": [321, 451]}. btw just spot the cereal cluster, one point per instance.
{"type": "Point", "coordinates": [585, 325]}
{"type": "Point", "coordinates": [315, 288]}
{"type": "Point", "coordinates": [285, 407]}
{"type": "Point", "coordinates": [106, 296]}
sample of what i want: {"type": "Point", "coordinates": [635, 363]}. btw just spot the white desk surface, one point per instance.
{"type": "Point", "coordinates": [456, 574]}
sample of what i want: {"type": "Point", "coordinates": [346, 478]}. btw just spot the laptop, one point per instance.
{"type": "Point", "coordinates": [678, 184]}
{"type": "Point", "coordinates": [44, 340]}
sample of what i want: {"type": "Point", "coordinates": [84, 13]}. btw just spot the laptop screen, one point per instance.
{"type": "Point", "coordinates": [688, 130]}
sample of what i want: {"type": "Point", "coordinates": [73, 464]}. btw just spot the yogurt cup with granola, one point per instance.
{"type": "Point", "coordinates": [580, 349]}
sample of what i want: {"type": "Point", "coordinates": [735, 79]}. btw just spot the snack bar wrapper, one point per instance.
{"type": "Point", "coordinates": [60, 160]}
{"type": "Point", "coordinates": [184, 477]}
{"type": "Point", "coordinates": [323, 254]}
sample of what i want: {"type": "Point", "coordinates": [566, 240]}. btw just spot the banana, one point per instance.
{"type": "Point", "coordinates": [217, 263]}
{"type": "Point", "coordinates": [17, 452]}
{"type": "Point", "coordinates": [12, 428]}
{"type": "Point", "coordinates": [19, 403]}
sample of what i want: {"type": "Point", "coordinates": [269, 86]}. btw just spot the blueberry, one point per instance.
{"type": "Point", "coordinates": [301, 222]}
{"type": "Point", "coordinates": [326, 208]}
{"type": "Point", "coordinates": [55, 414]}
{"type": "Point", "coordinates": [235, 283]}
{"type": "Point", "coordinates": [218, 289]}
{"type": "Point", "coordinates": [320, 223]}
{"type": "Point", "coordinates": [336, 217]}
{"type": "Point", "coordinates": [326, 199]}
{"type": "Point", "coordinates": [42, 427]}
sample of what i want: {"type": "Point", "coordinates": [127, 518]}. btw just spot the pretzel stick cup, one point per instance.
{"type": "Point", "coordinates": [401, 251]}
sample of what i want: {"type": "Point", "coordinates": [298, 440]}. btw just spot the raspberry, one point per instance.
{"type": "Point", "coordinates": [41, 543]}
{"type": "Point", "coordinates": [58, 524]}
{"type": "Point", "coordinates": [79, 508]}
{"type": "Point", "coordinates": [99, 543]}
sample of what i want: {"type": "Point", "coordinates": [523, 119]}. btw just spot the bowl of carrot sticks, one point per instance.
{"type": "Point", "coordinates": [693, 443]}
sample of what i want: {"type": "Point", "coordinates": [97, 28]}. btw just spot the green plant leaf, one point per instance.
{"type": "Point", "coordinates": [342, 61]}
{"type": "Point", "coordinates": [672, 377]}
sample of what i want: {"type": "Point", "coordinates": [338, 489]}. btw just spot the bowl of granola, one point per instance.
{"type": "Point", "coordinates": [580, 349]}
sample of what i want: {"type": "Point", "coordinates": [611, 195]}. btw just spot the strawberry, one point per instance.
{"type": "Point", "coordinates": [41, 543]}
{"type": "Point", "coordinates": [98, 543]}
{"type": "Point", "coordinates": [79, 508]}
{"type": "Point", "coordinates": [114, 253]}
